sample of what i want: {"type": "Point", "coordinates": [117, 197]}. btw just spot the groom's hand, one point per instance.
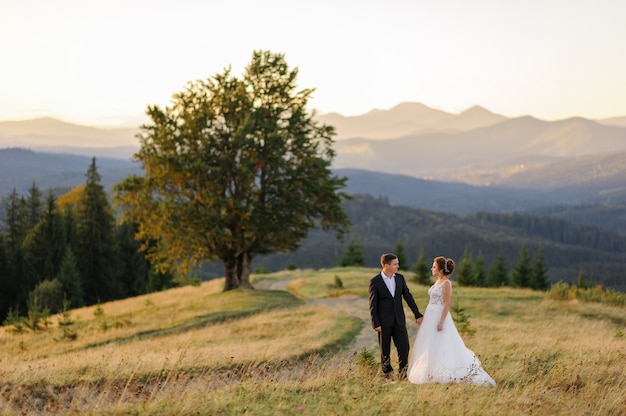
{"type": "Point", "coordinates": [419, 320]}
{"type": "Point", "coordinates": [377, 329]}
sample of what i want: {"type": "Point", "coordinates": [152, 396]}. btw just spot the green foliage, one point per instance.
{"type": "Point", "coordinates": [96, 253]}
{"type": "Point", "coordinates": [234, 168]}
{"type": "Point", "coordinates": [522, 274]}
{"type": "Point", "coordinates": [45, 242]}
{"type": "Point", "coordinates": [461, 320]}
{"type": "Point", "coordinates": [465, 272]}
{"type": "Point", "coordinates": [398, 250]}
{"type": "Point", "coordinates": [479, 275]}
{"type": "Point", "coordinates": [66, 323]}
{"type": "Point", "coordinates": [292, 266]}
{"type": "Point", "coordinates": [353, 254]}
{"type": "Point", "coordinates": [14, 321]}
{"type": "Point", "coordinates": [37, 317]}
{"type": "Point", "coordinates": [498, 272]}
{"type": "Point", "coordinates": [133, 268]}
{"type": "Point", "coordinates": [158, 280]}
{"type": "Point", "coordinates": [366, 358]}
{"type": "Point", "coordinates": [47, 295]}
{"type": "Point", "coordinates": [565, 291]}
{"type": "Point", "coordinates": [71, 280]}
{"type": "Point", "coordinates": [260, 269]}
{"type": "Point", "coordinates": [338, 283]}
{"type": "Point", "coordinates": [581, 280]}
{"type": "Point", "coordinates": [540, 280]}
{"type": "Point", "coordinates": [422, 271]}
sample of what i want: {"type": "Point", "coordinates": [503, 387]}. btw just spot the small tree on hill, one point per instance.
{"type": "Point", "coordinates": [399, 251]}
{"type": "Point", "coordinates": [522, 272]}
{"type": "Point", "coordinates": [480, 277]}
{"type": "Point", "coordinates": [353, 255]}
{"type": "Point", "coordinates": [540, 280]}
{"type": "Point", "coordinates": [465, 271]}
{"type": "Point", "coordinates": [422, 271]}
{"type": "Point", "coordinates": [498, 272]}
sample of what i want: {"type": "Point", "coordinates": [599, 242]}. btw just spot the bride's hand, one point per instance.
{"type": "Point", "coordinates": [439, 327]}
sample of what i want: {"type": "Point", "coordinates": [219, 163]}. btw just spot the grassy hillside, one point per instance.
{"type": "Point", "coordinates": [196, 350]}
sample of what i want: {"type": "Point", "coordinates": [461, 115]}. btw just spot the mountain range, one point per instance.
{"type": "Point", "coordinates": [475, 147]}
{"type": "Point", "coordinates": [411, 154]}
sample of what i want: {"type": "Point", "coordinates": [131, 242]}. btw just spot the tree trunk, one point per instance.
{"type": "Point", "coordinates": [244, 261]}
{"type": "Point", "coordinates": [237, 272]}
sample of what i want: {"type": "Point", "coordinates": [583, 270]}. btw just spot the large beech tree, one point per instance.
{"type": "Point", "coordinates": [233, 168]}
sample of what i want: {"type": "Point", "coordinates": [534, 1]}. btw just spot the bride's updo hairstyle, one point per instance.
{"type": "Point", "coordinates": [445, 265]}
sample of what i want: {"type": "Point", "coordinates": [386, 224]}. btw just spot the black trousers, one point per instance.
{"type": "Point", "coordinates": [400, 337]}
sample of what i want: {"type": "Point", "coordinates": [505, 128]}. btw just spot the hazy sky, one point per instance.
{"type": "Point", "coordinates": [103, 62]}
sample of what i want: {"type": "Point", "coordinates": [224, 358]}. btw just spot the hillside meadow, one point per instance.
{"type": "Point", "coordinates": [300, 344]}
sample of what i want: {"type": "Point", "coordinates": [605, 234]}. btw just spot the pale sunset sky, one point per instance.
{"type": "Point", "coordinates": [103, 62]}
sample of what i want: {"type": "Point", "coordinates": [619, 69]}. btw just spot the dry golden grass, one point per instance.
{"type": "Point", "coordinates": [195, 350]}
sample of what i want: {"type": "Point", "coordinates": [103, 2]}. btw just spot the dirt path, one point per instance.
{"type": "Point", "coordinates": [352, 305]}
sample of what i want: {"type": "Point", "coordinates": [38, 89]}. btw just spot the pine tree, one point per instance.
{"type": "Point", "coordinates": [16, 284]}
{"type": "Point", "coordinates": [44, 245]}
{"type": "Point", "coordinates": [353, 255]}
{"type": "Point", "coordinates": [422, 271]}
{"type": "Point", "coordinates": [465, 270]}
{"type": "Point", "coordinates": [34, 206]}
{"type": "Point", "coordinates": [133, 267]}
{"type": "Point", "coordinates": [522, 271]}
{"type": "Point", "coordinates": [96, 241]}
{"type": "Point", "coordinates": [480, 277]}
{"type": "Point", "coordinates": [71, 280]}
{"type": "Point", "coordinates": [540, 280]}
{"type": "Point", "coordinates": [16, 220]}
{"type": "Point", "coordinates": [399, 251]}
{"type": "Point", "coordinates": [498, 272]}
{"type": "Point", "coordinates": [5, 294]}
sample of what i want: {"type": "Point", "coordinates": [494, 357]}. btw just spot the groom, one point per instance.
{"type": "Point", "coordinates": [386, 291]}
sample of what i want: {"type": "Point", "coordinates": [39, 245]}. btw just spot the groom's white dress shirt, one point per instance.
{"type": "Point", "coordinates": [390, 282]}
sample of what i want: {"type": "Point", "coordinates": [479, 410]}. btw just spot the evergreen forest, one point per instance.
{"type": "Point", "coordinates": [66, 250]}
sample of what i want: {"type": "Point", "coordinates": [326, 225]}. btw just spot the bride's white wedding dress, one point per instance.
{"type": "Point", "coordinates": [441, 356]}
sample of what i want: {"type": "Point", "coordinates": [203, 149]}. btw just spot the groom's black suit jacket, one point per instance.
{"type": "Point", "coordinates": [386, 309]}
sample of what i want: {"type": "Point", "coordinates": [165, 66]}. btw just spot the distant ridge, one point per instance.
{"type": "Point", "coordinates": [50, 134]}
{"type": "Point", "coordinates": [407, 118]}
{"type": "Point", "coordinates": [475, 146]}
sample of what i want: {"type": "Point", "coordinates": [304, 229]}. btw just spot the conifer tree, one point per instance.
{"type": "Point", "coordinates": [353, 255]}
{"type": "Point", "coordinates": [423, 276]}
{"type": "Point", "coordinates": [34, 206]}
{"type": "Point", "coordinates": [71, 280]}
{"type": "Point", "coordinates": [465, 270]}
{"type": "Point", "coordinates": [399, 252]}
{"type": "Point", "coordinates": [498, 272]}
{"type": "Point", "coordinates": [44, 245]}
{"type": "Point", "coordinates": [522, 272]}
{"type": "Point", "coordinates": [16, 213]}
{"type": "Point", "coordinates": [15, 283]}
{"type": "Point", "coordinates": [133, 267]}
{"type": "Point", "coordinates": [480, 277]}
{"type": "Point", "coordinates": [5, 294]}
{"type": "Point", "coordinates": [540, 280]}
{"type": "Point", "coordinates": [96, 241]}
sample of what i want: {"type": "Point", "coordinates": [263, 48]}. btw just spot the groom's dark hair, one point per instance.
{"type": "Point", "coordinates": [387, 258]}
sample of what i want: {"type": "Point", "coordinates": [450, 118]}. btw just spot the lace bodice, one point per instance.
{"type": "Point", "coordinates": [436, 293]}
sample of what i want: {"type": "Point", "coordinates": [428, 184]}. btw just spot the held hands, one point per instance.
{"type": "Point", "coordinates": [419, 320]}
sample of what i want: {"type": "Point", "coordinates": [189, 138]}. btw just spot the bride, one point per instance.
{"type": "Point", "coordinates": [439, 354]}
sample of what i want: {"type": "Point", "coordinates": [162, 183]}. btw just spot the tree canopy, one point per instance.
{"type": "Point", "coordinates": [234, 167]}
